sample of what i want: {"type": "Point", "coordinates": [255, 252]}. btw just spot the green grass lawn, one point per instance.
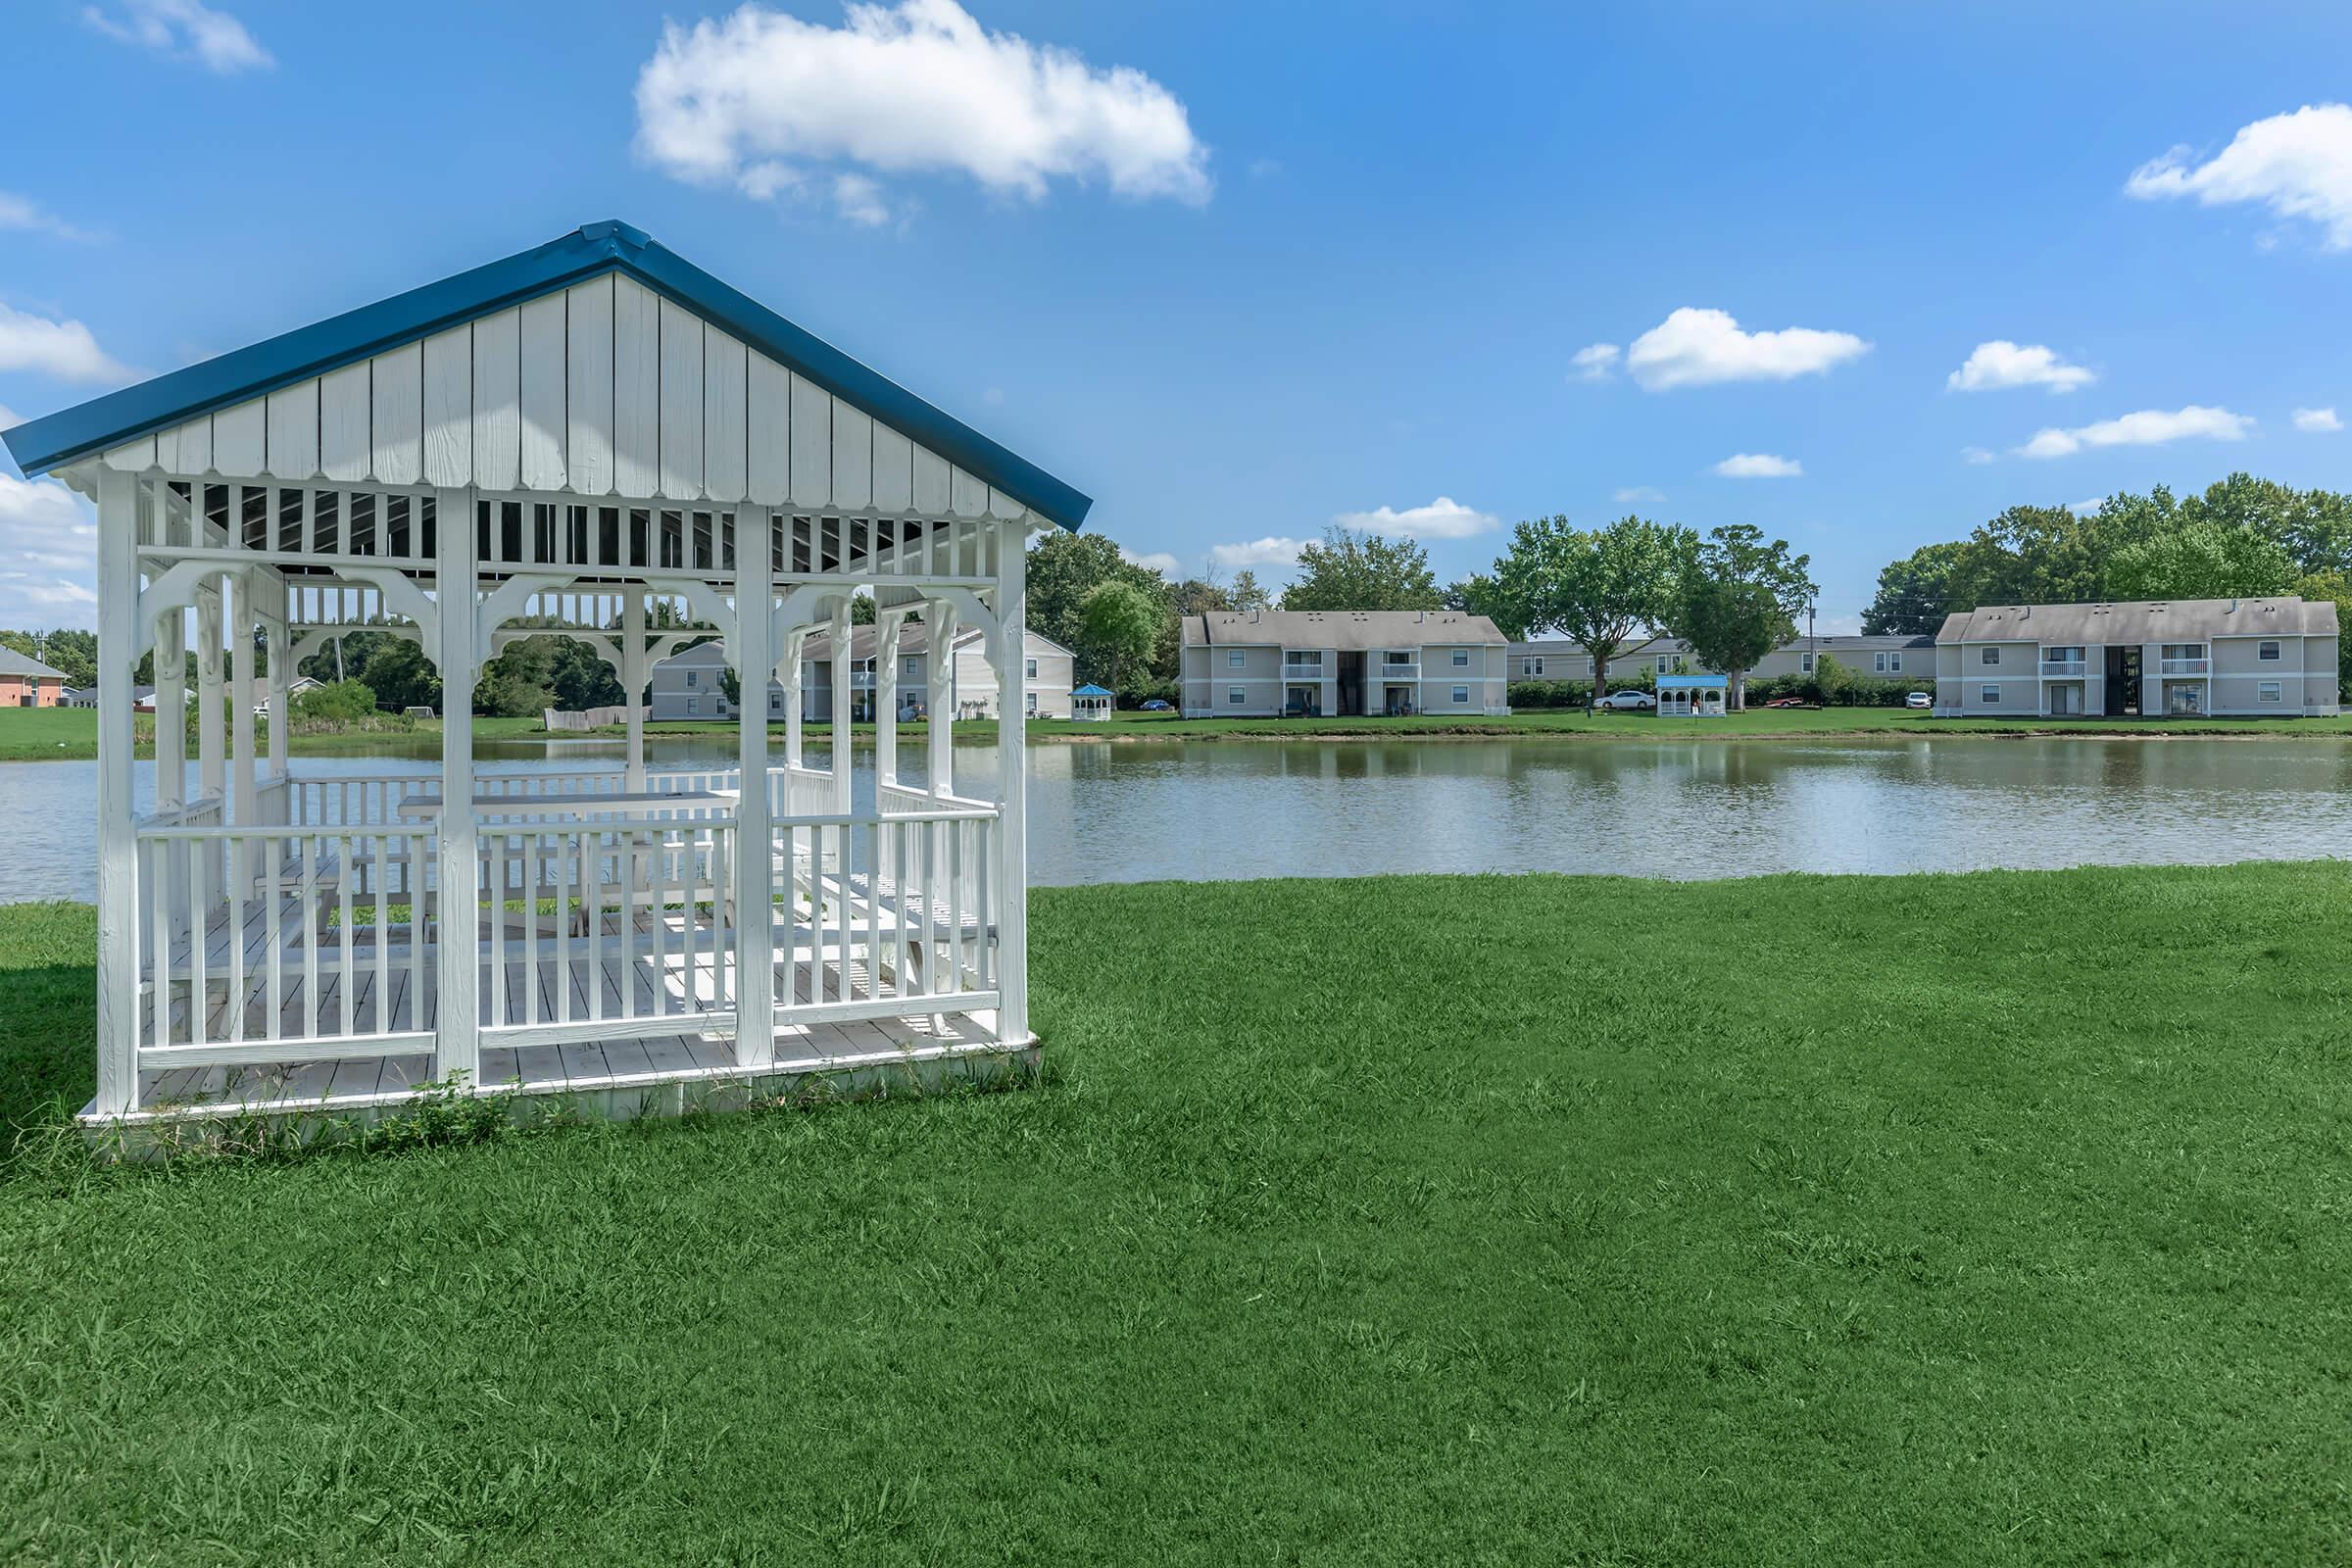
{"type": "Point", "coordinates": [67, 734]}
{"type": "Point", "coordinates": [2003, 1217]}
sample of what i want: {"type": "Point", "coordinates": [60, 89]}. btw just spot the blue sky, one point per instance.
{"type": "Point", "coordinates": [1240, 271]}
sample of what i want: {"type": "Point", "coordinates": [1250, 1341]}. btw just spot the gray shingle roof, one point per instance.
{"type": "Point", "coordinates": [2141, 621]}
{"type": "Point", "coordinates": [1343, 630]}
{"type": "Point", "coordinates": [13, 663]}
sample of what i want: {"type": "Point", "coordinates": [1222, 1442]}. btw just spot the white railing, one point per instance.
{"type": "Point", "coordinates": [607, 928]}
{"type": "Point", "coordinates": [889, 916]}
{"type": "Point", "coordinates": [2185, 666]}
{"type": "Point", "coordinates": [250, 944]}
{"type": "Point", "coordinates": [2062, 667]}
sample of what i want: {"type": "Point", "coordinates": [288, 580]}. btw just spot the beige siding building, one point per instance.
{"type": "Point", "coordinates": [1886, 658]}
{"type": "Point", "coordinates": [1302, 662]}
{"type": "Point", "coordinates": [2237, 657]}
{"type": "Point", "coordinates": [688, 685]}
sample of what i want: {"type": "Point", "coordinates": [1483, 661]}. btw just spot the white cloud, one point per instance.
{"type": "Point", "coordinates": [1845, 624]}
{"type": "Point", "coordinates": [1696, 347]}
{"type": "Point", "coordinates": [2088, 509]}
{"type": "Point", "coordinates": [2001, 364]}
{"type": "Point", "coordinates": [65, 350]}
{"type": "Point", "coordinates": [2146, 428]}
{"type": "Point", "coordinates": [1158, 560]}
{"type": "Point", "coordinates": [49, 543]}
{"type": "Point", "coordinates": [2297, 165]}
{"type": "Point", "coordinates": [185, 28]}
{"type": "Point", "coordinates": [916, 87]}
{"type": "Point", "coordinates": [1443, 519]}
{"type": "Point", "coordinates": [1271, 551]}
{"type": "Point", "coordinates": [1632, 494]}
{"type": "Point", "coordinates": [1976, 454]}
{"type": "Point", "coordinates": [1593, 361]}
{"type": "Point", "coordinates": [1759, 465]}
{"type": "Point", "coordinates": [2318, 421]}
{"type": "Point", "coordinates": [25, 214]}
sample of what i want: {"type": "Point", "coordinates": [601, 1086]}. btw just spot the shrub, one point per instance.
{"type": "Point", "coordinates": [336, 700]}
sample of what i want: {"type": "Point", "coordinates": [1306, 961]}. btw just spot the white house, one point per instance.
{"type": "Point", "coordinates": [1306, 663]}
{"type": "Point", "coordinates": [689, 684]}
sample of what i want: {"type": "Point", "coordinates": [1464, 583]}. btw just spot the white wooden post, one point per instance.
{"type": "Point", "coordinates": [281, 654]}
{"type": "Point", "coordinates": [886, 697]}
{"type": "Point", "coordinates": [118, 844]}
{"type": "Point", "coordinates": [942, 662]}
{"type": "Point", "coordinates": [794, 641]}
{"type": "Point", "coordinates": [1012, 832]}
{"type": "Point", "coordinates": [632, 680]}
{"type": "Point", "coordinates": [170, 711]}
{"type": "Point", "coordinates": [754, 858]}
{"type": "Point", "coordinates": [845, 701]}
{"type": "Point", "coordinates": [210, 779]}
{"type": "Point", "coordinates": [459, 1046]}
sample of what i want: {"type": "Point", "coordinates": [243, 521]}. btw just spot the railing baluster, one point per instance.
{"type": "Point", "coordinates": [274, 851]}
{"type": "Point", "coordinates": [383, 941]}
{"type": "Point", "coordinates": [534, 850]}
{"type": "Point", "coordinates": [496, 991]}
{"type": "Point", "coordinates": [312, 925]}
{"type": "Point", "coordinates": [346, 867]}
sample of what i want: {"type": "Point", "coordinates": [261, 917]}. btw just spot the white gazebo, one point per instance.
{"type": "Point", "coordinates": [1092, 704]}
{"type": "Point", "coordinates": [596, 439]}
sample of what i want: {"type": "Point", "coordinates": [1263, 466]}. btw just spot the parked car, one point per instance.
{"type": "Point", "coordinates": [1785, 702]}
{"type": "Point", "coordinates": [1627, 700]}
{"type": "Point", "coordinates": [1919, 700]}
{"type": "Point", "coordinates": [1160, 705]}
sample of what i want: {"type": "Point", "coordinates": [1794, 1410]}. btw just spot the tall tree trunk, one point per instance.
{"type": "Point", "coordinates": [1600, 679]}
{"type": "Point", "coordinates": [1738, 702]}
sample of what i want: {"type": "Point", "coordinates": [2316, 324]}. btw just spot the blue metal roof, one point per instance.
{"type": "Point", "coordinates": [40, 445]}
{"type": "Point", "coordinates": [1686, 683]}
{"type": "Point", "coordinates": [1089, 689]}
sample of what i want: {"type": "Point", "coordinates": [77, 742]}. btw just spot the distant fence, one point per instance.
{"type": "Point", "coordinates": [558, 722]}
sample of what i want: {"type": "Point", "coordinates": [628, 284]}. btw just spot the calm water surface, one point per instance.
{"type": "Point", "coordinates": [1141, 810]}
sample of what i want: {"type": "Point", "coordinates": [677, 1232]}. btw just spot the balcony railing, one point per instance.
{"type": "Point", "coordinates": [2062, 667]}
{"type": "Point", "coordinates": [2186, 666]}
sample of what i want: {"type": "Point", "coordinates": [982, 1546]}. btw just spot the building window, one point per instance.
{"type": "Point", "coordinates": [1461, 694]}
{"type": "Point", "coordinates": [1535, 666]}
{"type": "Point", "coordinates": [694, 705]}
{"type": "Point", "coordinates": [914, 666]}
{"type": "Point", "coordinates": [1894, 661]}
{"type": "Point", "coordinates": [1234, 658]}
{"type": "Point", "coordinates": [776, 700]}
{"type": "Point", "coordinates": [1991, 694]}
{"type": "Point", "coordinates": [691, 679]}
{"type": "Point", "coordinates": [1992, 655]}
{"type": "Point", "coordinates": [2184, 650]}
{"type": "Point", "coordinates": [2268, 691]}
{"type": "Point", "coordinates": [1878, 663]}
{"type": "Point", "coordinates": [1032, 700]}
{"type": "Point", "coordinates": [1804, 664]}
{"type": "Point", "coordinates": [2267, 651]}
{"type": "Point", "coordinates": [1029, 668]}
{"type": "Point", "coordinates": [1235, 697]}
{"type": "Point", "coordinates": [1461, 659]}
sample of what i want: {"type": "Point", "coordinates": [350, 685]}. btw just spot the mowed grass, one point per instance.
{"type": "Point", "coordinates": [2004, 1217]}
{"type": "Point", "coordinates": [70, 734]}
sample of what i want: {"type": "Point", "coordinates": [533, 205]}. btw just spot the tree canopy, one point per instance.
{"type": "Point", "coordinates": [1740, 600]}
{"type": "Point", "coordinates": [1351, 570]}
{"type": "Point", "coordinates": [1604, 587]}
{"type": "Point", "coordinates": [1120, 625]}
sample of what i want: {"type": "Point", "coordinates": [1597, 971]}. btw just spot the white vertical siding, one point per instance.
{"type": "Point", "coordinates": [604, 388]}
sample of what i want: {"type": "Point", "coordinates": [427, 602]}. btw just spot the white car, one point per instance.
{"type": "Point", "coordinates": [1919, 700]}
{"type": "Point", "coordinates": [1627, 699]}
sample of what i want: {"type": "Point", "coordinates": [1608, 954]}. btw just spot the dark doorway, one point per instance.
{"type": "Point", "coordinates": [1352, 683]}
{"type": "Point", "coordinates": [2123, 680]}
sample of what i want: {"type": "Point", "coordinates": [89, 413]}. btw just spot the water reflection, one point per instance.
{"type": "Point", "coordinates": [1133, 811]}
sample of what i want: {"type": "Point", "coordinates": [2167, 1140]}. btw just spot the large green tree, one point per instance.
{"type": "Point", "coordinates": [1605, 587]}
{"type": "Point", "coordinates": [1119, 627]}
{"type": "Point", "coordinates": [1740, 600]}
{"type": "Point", "coordinates": [1353, 571]}
{"type": "Point", "coordinates": [1914, 593]}
{"type": "Point", "coordinates": [1063, 567]}
{"type": "Point", "coordinates": [2029, 556]}
{"type": "Point", "coordinates": [2336, 588]}
{"type": "Point", "coordinates": [1480, 594]}
{"type": "Point", "coordinates": [2203, 560]}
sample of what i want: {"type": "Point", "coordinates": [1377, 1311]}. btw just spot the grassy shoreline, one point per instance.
{"type": "Point", "coordinates": [34, 735]}
{"type": "Point", "coordinates": [1907, 1219]}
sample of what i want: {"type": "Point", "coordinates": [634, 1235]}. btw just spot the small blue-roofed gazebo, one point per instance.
{"type": "Point", "coordinates": [1692, 696]}
{"type": "Point", "coordinates": [1091, 703]}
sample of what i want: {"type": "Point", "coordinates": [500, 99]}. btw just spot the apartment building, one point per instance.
{"type": "Point", "coordinates": [1306, 663]}
{"type": "Point", "coordinates": [2238, 658]}
{"type": "Point", "coordinates": [689, 684]}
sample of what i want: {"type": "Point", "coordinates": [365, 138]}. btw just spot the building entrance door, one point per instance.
{"type": "Point", "coordinates": [2123, 680]}
{"type": "Point", "coordinates": [1352, 683]}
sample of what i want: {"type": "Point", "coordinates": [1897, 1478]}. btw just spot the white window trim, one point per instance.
{"type": "Point", "coordinates": [1461, 659]}
{"type": "Point", "coordinates": [2270, 691]}
{"type": "Point", "coordinates": [1990, 656]}
{"type": "Point", "coordinates": [1235, 659]}
{"type": "Point", "coordinates": [1235, 697]}
{"type": "Point", "coordinates": [1461, 696]}
{"type": "Point", "coordinates": [2268, 650]}
{"type": "Point", "coordinates": [1989, 694]}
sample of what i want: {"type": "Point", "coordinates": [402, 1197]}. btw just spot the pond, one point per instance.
{"type": "Point", "coordinates": [1143, 810]}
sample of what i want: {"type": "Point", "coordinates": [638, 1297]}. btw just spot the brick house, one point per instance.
{"type": "Point", "coordinates": [27, 682]}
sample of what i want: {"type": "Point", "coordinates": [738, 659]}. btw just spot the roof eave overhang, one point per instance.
{"type": "Point", "coordinates": [41, 446]}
